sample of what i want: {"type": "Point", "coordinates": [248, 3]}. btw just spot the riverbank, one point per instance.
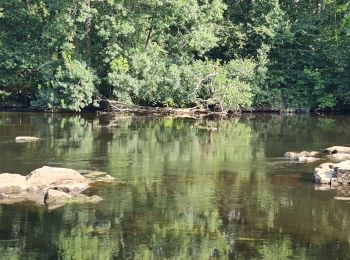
{"type": "Point", "coordinates": [196, 112]}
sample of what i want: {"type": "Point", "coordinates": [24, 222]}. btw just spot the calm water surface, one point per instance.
{"type": "Point", "coordinates": [186, 189]}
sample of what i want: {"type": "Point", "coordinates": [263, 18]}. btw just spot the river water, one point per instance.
{"type": "Point", "coordinates": [185, 189]}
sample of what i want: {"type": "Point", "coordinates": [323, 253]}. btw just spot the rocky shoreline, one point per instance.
{"type": "Point", "coordinates": [334, 171]}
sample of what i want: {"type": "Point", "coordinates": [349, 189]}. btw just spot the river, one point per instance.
{"type": "Point", "coordinates": [185, 188]}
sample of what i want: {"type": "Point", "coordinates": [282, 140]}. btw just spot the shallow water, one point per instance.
{"type": "Point", "coordinates": [186, 189]}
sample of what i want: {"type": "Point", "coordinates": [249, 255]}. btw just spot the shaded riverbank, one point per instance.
{"type": "Point", "coordinates": [194, 112]}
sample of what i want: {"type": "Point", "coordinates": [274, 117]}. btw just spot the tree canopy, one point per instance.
{"type": "Point", "coordinates": [233, 53]}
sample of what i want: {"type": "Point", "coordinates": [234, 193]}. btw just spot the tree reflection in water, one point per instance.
{"type": "Point", "coordinates": [186, 189]}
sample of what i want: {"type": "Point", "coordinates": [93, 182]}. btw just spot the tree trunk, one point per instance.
{"type": "Point", "coordinates": [149, 37]}
{"type": "Point", "coordinates": [88, 37]}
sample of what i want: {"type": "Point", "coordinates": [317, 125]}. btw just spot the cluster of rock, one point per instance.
{"type": "Point", "coordinates": [305, 156]}
{"type": "Point", "coordinates": [51, 186]}
{"type": "Point", "coordinates": [335, 173]}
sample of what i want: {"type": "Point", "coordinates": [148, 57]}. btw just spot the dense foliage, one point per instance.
{"type": "Point", "coordinates": [231, 53]}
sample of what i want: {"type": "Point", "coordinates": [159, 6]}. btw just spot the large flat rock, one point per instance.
{"type": "Point", "coordinates": [49, 177]}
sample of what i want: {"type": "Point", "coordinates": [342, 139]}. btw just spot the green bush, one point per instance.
{"type": "Point", "coordinates": [70, 87]}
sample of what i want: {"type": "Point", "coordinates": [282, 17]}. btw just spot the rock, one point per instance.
{"type": "Point", "coordinates": [339, 157]}
{"type": "Point", "coordinates": [326, 166]}
{"type": "Point", "coordinates": [24, 139]}
{"type": "Point", "coordinates": [342, 172]}
{"type": "Point", "coordinates": [107, 178]}
{"type": "Point", "coordinates": [56, 197]}
{"type": "Point", "coordinates": [33, 196]}
{"type": "Point", "coordinates": [306, 159]}
{"type": "Point", "coordinates": [37, 196]}
{"type": "Point", "coordinates": [95, 174]}
{"type": "Point", "coordinates": [12, 183]}
{"type": "Point", "coordinates": [328, 173]}
{"type": "Point", "coordinates": [343, 191]}
{"type": "Point", "coordinates": [341, 198]}
{"type": "Point", "coordinates": [337, 149]}
{"type": "Point", "coordinates": [343, 166]}
{"type": "Point", "coordinates": [323, 176]}
{"type": "Point", "coordinates": [81, 198]}
{"type": "Point", "coordinates": [50, 185]}
{"type": "Point", "coordinates": [297, 155]}
{"type": "Point", "coordinates": [71, 187]}
{"type": "Point", "coordinates": [323, 187]}
{"type": "Point", "coordinates": [50, 177]}
{"type": "Point", "coordinates": [11, 199]}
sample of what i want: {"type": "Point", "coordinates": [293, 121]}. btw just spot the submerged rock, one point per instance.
{"type": "Point", "coordinates": [306, 159]}
{"type": "Point", "coordinates": [55, 199]}
{"type": "Point", "coordinates": [337, 149]}
{"type": "Point", "coordinates": [24, 139]}
{"type": "Point", "coordinates": [51, 186]}
{"type": "Point", "coordinates": [107, 178]}
{"type": "Point", "coordinates": [297, 155]}
{"type": "Point", "coordinates": [81, 198]}
{"type": "Point", "coordinates": [303, 157]}
{"type": "Point", "coordinates": [97, 176]}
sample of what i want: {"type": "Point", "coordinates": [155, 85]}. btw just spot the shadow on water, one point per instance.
{"type": "Point", "coordinates": [206, 189]}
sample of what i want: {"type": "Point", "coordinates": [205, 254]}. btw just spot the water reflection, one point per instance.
{"type": "Point", "coordinates": [207, 189]}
